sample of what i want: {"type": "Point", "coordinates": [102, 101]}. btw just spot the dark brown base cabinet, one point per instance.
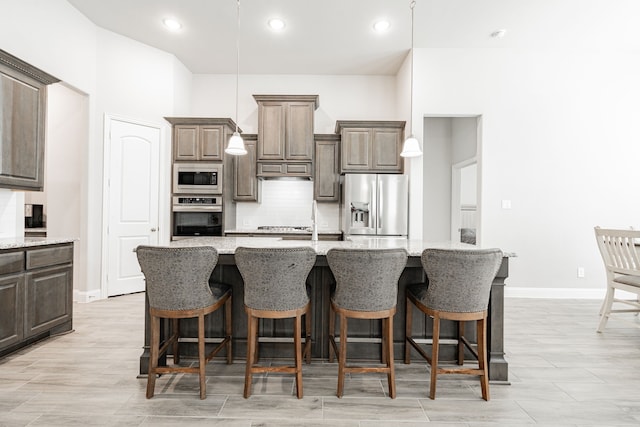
{"type": "Point", "coordinates": [363, 334]}
{"type": "Point", "coordinates": [36, 292]}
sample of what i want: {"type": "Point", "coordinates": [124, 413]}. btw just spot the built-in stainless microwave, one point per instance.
{"type": "Point", "coordinates": [197, 178]}
{"type": "Point", "coordinates": [196, 216]}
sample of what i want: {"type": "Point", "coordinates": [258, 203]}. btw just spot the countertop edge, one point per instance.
{"type": "Point", "coordinates": [29, 242]}
{"type": "Point", "coordinates": [228, 245]}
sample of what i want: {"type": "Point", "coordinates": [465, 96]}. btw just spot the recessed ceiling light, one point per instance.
{"type": "Point", "coordinates": [381, 26]}
{"type": "Point", "coordinates": [172, 24]}
{"type": "Point", "coordinates": [499, 33]}
{"type": "Point", "coordinates": [276, 24]}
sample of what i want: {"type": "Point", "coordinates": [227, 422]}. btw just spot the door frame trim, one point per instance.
{"type": "Point", "coordinates": [163, 197]}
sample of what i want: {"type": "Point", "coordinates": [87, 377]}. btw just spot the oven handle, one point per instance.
{"type": "Point", "coordinates": [195, 208]}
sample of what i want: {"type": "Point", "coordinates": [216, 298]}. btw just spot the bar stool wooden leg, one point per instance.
{"type": "Point", "coordinates": [297, 326]}
{"type": "Point", "coordinates": [307, 335]}
{"type": "Point", "coordinates": [175, 327]}
{"type": "Point", "coordinates": [342, 355]}
{"type": "Point", "coordinates": [434, 356]}
{"type": "Point", "coordinates": [460, 342]}
{"type": "Point", "coordinates": [482, 357]}
{"type": "Point", "coordinates": [201, 357]}
{"type": "Point", "coordinates": [332, 333]}
{"type": "Point", "coordinates": [391, 376]}
{"type": "Point", "coordinates": [228, 329]}
{"type": "Point", "coordinates": [153, 355]}
{"type": "Point", "coordinates": [407, 330]}
{"type": "Point", "coordinates": [383, 341]}
{"type": "Point", "coordinates": [251, 344]}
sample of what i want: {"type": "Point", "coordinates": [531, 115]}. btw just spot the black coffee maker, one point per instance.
{"type": "Point", "coordinates": [33, 217]}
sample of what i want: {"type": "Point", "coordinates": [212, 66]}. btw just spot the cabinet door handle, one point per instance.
{"type": "Point", "coordinates": [153, 230]}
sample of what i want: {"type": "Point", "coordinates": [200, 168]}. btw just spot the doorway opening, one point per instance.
{"type": "Point", "coordinates": [451, 177]}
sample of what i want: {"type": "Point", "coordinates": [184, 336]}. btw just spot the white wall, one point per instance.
{"type": "Point", "coordinates": [53, 36]}
{"type": "Point", "coordinates": [65, 169]}
{"type": "Point", "coordinates": [560, 140]}
{"type": "Point", "coordinates": [11, 213]}
{"type": "Point", "coordinates": [464, 138]}
{"type": "Point", "coordinates": [437, 147]}
{"type": "Point", "coordinates": [119, 76]}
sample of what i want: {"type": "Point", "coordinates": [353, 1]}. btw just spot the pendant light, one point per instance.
{"type": "Point", "coordinates": [236, 144]}
{"type": "Point", "coordinates": [411, 146]}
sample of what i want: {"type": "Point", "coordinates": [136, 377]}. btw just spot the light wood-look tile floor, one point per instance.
{"type": "Point", "coordinates": [562, 373]}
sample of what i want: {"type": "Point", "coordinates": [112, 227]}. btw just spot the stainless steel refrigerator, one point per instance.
{"type": "Point", "coordinates": [374, 204]}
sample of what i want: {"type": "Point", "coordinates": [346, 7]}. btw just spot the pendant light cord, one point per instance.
{"type": "Point", "coordinates": [411, 5]}
{"type": "Point", "coordinates": [237, 62]}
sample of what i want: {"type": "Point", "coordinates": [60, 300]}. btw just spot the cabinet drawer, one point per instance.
{"type": "Point", "coordinates": [273, 169]}
{"type": "Point", "coordinates": [37, 258]}
{"type": "Point", "coordinates": [284, 169]}
{"type": "Point", "coordinates": [301, 169]}
{"type": "Point", "coordinates": [11, 262]}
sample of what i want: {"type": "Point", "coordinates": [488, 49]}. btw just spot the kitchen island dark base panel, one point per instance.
{"type": "Point", "coordinates": [365, 332]}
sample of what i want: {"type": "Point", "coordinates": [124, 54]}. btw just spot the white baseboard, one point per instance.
{"type": "Point", "coordinates": [557, 293]}
{"type": "Point", "coordinates": [84, 296]}
{"type": "Point", "coordinates": [563, 293]}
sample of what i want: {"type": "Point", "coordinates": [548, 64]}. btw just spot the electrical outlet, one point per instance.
{"type": "Point", "coordinates": [580, 272]}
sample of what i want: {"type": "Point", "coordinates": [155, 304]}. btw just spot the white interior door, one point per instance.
{"type": "Point", "coordinates": [464, 201]}
{"type": "Point", "coordinates": [133, 185]}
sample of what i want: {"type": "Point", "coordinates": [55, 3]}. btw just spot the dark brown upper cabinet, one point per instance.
{"type": "Point", "coordinates": [200, 138]}
{"type": "Point", "coordinates": [326, 181]}
{"type": "Point", "coordinates": [370, 146]}
{"type": "Point", "coordinates": [285, 135]}
{"type": "Point", "coordinates": [23, 106]}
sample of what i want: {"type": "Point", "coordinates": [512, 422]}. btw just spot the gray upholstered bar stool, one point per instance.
{"type": "Point", "coordinates": [177, 286]}
{"type": "Point", "coordinates": [459, 284]}
{"type": "Point", "coordinates": [366, 288]}
{"type": "Point", "coordinates": [275, 288]}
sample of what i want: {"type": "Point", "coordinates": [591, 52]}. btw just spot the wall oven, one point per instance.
{"type": "Point", "coordinates": [196, 216]}
{"type": "Point", "coordinates": [197, 178]}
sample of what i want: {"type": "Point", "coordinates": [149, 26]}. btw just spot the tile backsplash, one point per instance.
{"type": "Point", "coordinates": [286, 203]}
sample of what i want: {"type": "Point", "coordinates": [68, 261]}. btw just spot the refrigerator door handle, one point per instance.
{"type": "Point", "coordinates": [373, 223]}
{"type": "Point", "coordinates": [381, 202]}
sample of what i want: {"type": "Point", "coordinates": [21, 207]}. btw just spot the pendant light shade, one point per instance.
{"type": "Point", "coordinates": [411, 146]}
{"type": "Point", "coordinates": [236, 144]}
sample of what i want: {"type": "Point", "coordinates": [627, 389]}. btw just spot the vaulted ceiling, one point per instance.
{"type": "Point", "coordinates": [337, 37]}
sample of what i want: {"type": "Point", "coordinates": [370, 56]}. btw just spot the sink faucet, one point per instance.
{"type": "Point", "coordinates": [314, 221]}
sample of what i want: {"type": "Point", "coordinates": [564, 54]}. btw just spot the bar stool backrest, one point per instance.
{"type": "Point", "coordinates": [275, 278]}
{"type": "Point", "coordinates": [460, 280]}
{"type": "Point", "coordinates": [178, 278]}
{"type": "Point", "coordinates": [366, 279]}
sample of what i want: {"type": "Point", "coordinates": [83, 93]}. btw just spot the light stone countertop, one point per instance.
{"type": "Point", "coordinates": [228, 245]}
{"type": "Point", "coordinates": [24, 242]}
{"type": "Point", "coordinates": [279, 231]}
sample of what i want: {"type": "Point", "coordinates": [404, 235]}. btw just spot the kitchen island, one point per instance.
{"type": "Point", "coordinates": [362, 333]}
